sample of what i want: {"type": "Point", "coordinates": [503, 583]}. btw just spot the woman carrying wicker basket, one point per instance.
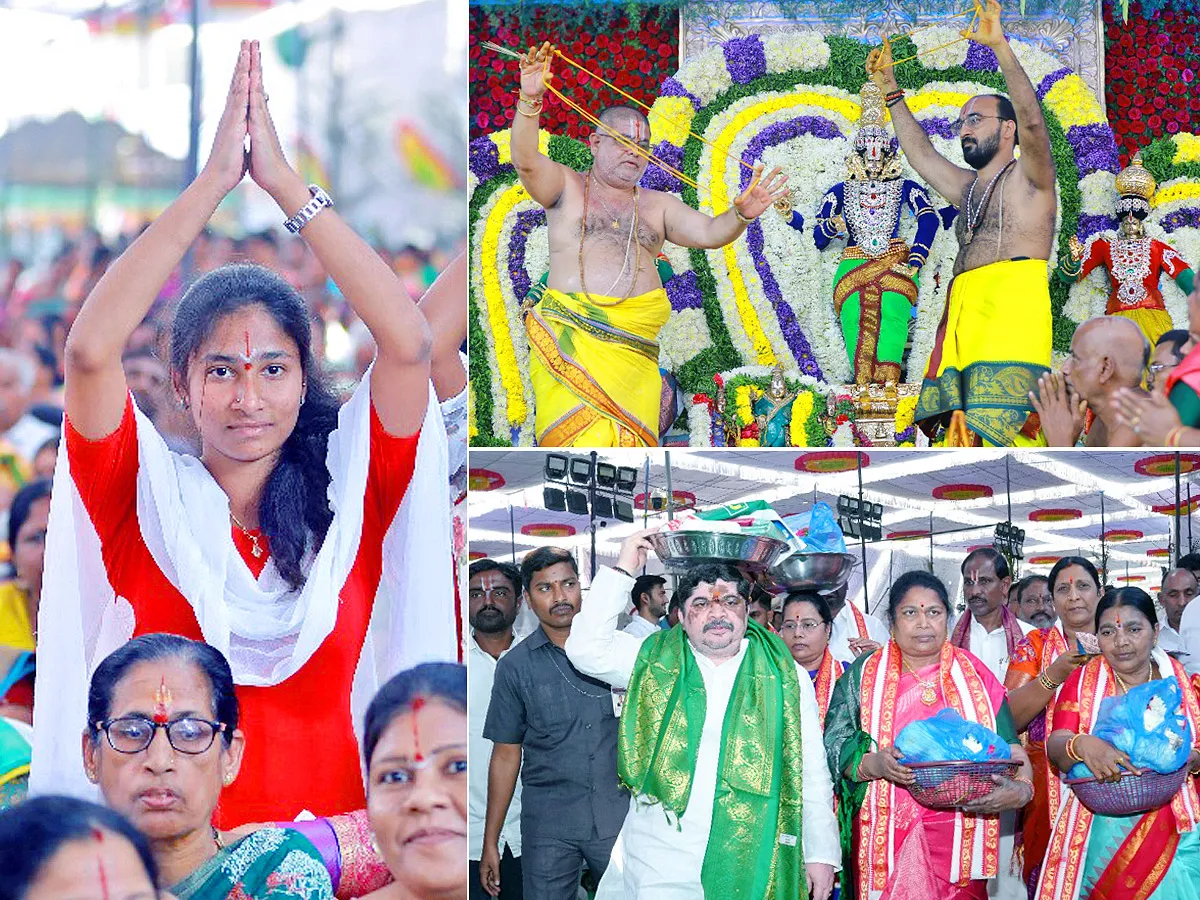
{"type": "Point", "coordinates": [894, 847]}
{"type": "Point", "coordinates": [1157, 854]}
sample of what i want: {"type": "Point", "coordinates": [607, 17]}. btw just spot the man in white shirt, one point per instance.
{"type": "Point", "coordinates": [1179, 587]}
{"type": "Point", "coordinates": [649, 595]}
{"type": "Point", "coordinates": [662, 853]}
{"type": "Point", "coordinates": [991, 631]}
{"type": "Point", "coordinates": [854, 632]}
{"type": "Point", "coordinates": [493, 595]}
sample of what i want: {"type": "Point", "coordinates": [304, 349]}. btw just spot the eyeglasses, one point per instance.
{"type": "Point", "coordinates": [133, 734]}
{"type": "Point", "coordinates": [806, 626]}
{"type": "Point", "coordinates": [972, 121]}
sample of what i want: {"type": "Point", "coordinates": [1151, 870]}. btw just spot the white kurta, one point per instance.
{"type": "Point", "coordinates": [992, 646]}
{"type": "Point", "coordinates": [845, 629]}
{"type": "Point", "coordinates": [640, 627]}
{"type": "Point", "coordinates": [481, 673]}
{"type": "Point", "coordinates": [653, 858]}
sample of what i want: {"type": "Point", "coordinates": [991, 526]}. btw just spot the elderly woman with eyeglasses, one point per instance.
{"type": "Point", "coordinates": [169, 785]}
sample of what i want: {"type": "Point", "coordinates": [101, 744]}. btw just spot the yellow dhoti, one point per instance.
{"type": "Point", "coordinates": [1153, 322]}
{"type": "Point", "coordinates": [594, 369]}
{"type": "Point", "coordinates": [992, 345]}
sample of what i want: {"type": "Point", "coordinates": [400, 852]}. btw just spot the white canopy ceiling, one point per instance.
{"type": "Point", "coordinates": [1056, 496]}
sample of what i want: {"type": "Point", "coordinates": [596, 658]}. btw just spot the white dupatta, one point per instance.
{"type": "Point", "coordinates": [266, 631]}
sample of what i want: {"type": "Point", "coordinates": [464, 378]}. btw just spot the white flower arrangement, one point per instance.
{"type": "Point", "coordinates": [685, 334]}
{"type": "Point", "coordinates": [1036, 62]}
{"type": "Point", "coordinates": [944, 57]}
{"type": "Point", "coordinates": [803, 50]}
{"type": "Point", "coordinates": [1099, 194]}
{"type": "Point", "coordinates": [705, 75]}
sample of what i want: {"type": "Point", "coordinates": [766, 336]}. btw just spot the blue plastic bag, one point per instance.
{"type": "Point", "coordinates": [1148, 725]}
{"type": "Point", "coordinates": [948, 736]}
{"type": "Point", "coordinates": [824, 535]}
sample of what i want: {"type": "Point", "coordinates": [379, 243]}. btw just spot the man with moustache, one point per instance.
{"type": "Point", "coordinates": [558, 729]}
{"type": "Point", "coordinates": [1034, 604]}
{"type": "Point", "coordinates": [994, 338]}
{"type": "Point", "coordinates": [751, 788]}
{"type": "Point", "coordinates": [1179, 587]}
{"type": "Point", "coordinates": [493, 593]}
{"type": "Point", "coordinates": [992, 632]}
{"type": "Point", "coordinates": [593, 333]}
{"type": "Point", "coordinates": [649, 596]}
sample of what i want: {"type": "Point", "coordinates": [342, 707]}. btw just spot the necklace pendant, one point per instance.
{"type": "Point", "coordinates": [970, 235]}
{"type": "Point", "coordinates": [616, 224]}
{"type": "Point", "coordinates": [255, 548]}
{"type": "Point", "coordinates": [928, 695]}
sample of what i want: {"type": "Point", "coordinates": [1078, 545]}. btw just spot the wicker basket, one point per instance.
{"type": "Point", "coordinates": [1133, 793]}
{"type": "Point", "coordinates": [954, 783]}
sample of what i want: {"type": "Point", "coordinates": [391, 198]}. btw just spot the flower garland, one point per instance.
{"type": "Point", "coordinates": [791, 100]}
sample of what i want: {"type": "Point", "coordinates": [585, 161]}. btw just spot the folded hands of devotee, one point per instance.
{"type": "Point", "coordinates": [1062, 411]}
{"type": "Point", "coordinates": [1151, 416]}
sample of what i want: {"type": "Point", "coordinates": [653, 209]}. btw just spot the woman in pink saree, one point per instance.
{"type": "Point", "coordinates": [894, 848]}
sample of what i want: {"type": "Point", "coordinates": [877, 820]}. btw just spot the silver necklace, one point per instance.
{"type": "Point", "coordinates": [974, 221]}
{"type": "Point", "coordinates": [554, 659]}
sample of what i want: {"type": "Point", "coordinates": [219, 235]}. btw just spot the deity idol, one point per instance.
{"type": "Point", "coordinates": [773, 411]}
{"type": "Point", "coordinates": [1135, 261]}
{"type": "Point", "coordinates": [875, 288]}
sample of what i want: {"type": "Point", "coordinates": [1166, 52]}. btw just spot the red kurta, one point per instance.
{"type": "Point", "coordinates": [301, 751]}
{"type": "Point", "coordinates": [1135, 267]}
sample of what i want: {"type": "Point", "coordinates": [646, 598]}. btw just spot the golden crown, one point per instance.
{"type": "Point", "coordinates": [871, 100]}
{"type": "Point", "coordinates": [1135, 181]}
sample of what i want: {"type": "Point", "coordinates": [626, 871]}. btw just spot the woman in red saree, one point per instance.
{"type": "Point", "coordinates": [1040, 664]}
{"type": "Point", "coordinates": [896, 848]}
{"type": "Point", "coordinates": [300, 541]}
{"type": "Point", "coordinates": [1155, 855]}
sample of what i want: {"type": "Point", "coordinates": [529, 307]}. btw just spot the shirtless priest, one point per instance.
{"type": "Point", "coordinates": [994, 339]}
{"type": "Point", "coordinates": [593, 334]}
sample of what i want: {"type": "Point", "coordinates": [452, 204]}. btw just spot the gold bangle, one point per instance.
{"type": "Point", "coordinates": [530, 115]}
{"type": "Point", "coordinates": [1047, 682]}
{"type": "Point", "coordinates": [1173, 436]}
{"type": "Point", "coordinates": [1071, 754]}
{"type": "Point", "coordinates": [521, 96]}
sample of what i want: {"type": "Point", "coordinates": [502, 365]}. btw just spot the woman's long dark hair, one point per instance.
{"type": "Point", "coordinates": [295, 501]}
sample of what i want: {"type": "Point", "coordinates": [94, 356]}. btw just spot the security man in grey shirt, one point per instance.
{"type": "Point", "coordinates": [564, 725]}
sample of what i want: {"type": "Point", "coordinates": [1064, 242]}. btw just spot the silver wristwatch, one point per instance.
{"type": "Point", "coordinates": [320, 200]}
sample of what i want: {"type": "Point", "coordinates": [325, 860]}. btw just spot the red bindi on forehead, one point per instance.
{"type": "Point", "coordinates": [162, 703]}
{"type": "Point", "coordinates": [418, 704]}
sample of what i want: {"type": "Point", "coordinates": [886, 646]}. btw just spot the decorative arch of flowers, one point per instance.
{"type": "Point", "coordinates": [792, 100]}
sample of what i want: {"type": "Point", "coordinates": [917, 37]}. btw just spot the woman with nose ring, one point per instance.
{"type": "Point", "coordinates": [1155, 855]}
{"type": "Point", "coordinates": [1040, 665]}
{"type": "Point", "coordinates": [918, 673]}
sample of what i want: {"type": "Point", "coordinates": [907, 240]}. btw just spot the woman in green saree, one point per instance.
{"type": "Point", "coordinates": [169, 785]}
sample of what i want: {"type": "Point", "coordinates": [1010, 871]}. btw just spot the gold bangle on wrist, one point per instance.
{"type": "Point", "coordinates": [1071, 754]}
{"type": "Point", "coordinates": [737, 212]}
{"type": "Point", "coordinates": [1047, 682]}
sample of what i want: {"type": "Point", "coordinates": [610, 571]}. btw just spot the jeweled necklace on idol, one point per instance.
{"type": "Point", "coordinates": [633, 224]}
{"type": "Point", "coordinates": [976, 219]}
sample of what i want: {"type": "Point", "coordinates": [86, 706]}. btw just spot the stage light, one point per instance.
{"type": "Point", "coordinates": [581, 469]}
{"type": "Point", "coordinates": [606, 474]}
{"type": "Point", "coordinates": [577, 502]}
{"type": "Point", "coordinates": [554, 499]}
{"type": "Point", "coordinates": [623, 510]}
{"type": "Point", "coordinates": [626, 480]}
{"type": "Point", "coordinates": [603, 507]}
{"type": "Point", "coordinates": [556, 467]}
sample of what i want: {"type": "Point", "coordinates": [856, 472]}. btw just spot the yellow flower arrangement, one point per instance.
{"type": "Point", "coordinates": [506, 358]}
{"type": "Point", "coordinates": [1187, 148]}
{"type": "Point", "coordinates": [503, 142]}
{"type": "Point", "coordinates": [925, 99]}
{"type": "Point", "coordinates": [906, 410]}
{"type": "Point", "coordinates": [802, 408]}
{"type": "Point", "coordinates": [1074, 103]}
{"type": "Point", "coordinates": [1181, 191]}
{"type": "Point", "coordinates": [671, 119]}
